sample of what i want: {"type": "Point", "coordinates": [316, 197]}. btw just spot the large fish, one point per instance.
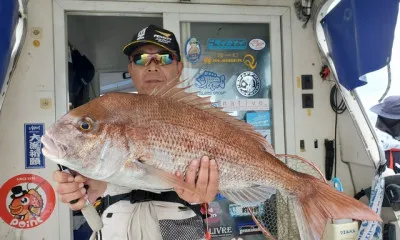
{"type": "Point", "coordinates": [140, 141]}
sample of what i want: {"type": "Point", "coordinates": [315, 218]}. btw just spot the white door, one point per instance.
{"type": "Point", "coordinates": [235, 59]}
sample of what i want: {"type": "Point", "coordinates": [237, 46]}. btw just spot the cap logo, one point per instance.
{"type": "Point", "coordinates": [162, 39]}
{"type": "Point", "coordinates": [164, 34]}
{"type": "Point", "coordinates": [140, 35]}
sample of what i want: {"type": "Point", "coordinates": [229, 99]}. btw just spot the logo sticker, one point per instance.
{"type": "Point", "coordinates": [192, 50]}
{"type": "Point", "coordinates": [248, 228]}
{"type": "Point", "coordinates": [250, 61]}
{"type": "Point", "coordinates": [257, 44]}
{"type": "Point", "coordinates": [226, 44]}
{"type": "Point", "coordinates": [210, 80]}
{"type": "Point", "coordinates": [33, 146]}
{"type": "Point", "coordinates": [248, 84]}
{"type": "Point", "coordinates": [236, 210]}
{"type": "Point", "coordinates": [221, 231]}
{"type": "Point", "coordinates": [247, 60]}
{"type": "Point", "coordinates": [214, 213]}
{"type": "Point", "coordinates": [26, 201]}
{"type": "Point", "coordinates": [252, 104]}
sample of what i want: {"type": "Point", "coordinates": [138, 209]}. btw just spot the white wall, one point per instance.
{"type": "Point", "coordinates": [34, 78]}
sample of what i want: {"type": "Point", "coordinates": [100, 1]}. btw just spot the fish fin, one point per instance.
{"type": "Point", "coordinates": [249, 196]}
{"type": "Point", "coordinates": [320, 202]}
{"type": "Point", "coordinates": [169, 178]}
{"type": "Point", "coordinates": [171, 91]}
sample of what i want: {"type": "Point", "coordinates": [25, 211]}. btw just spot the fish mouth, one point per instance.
{"type": "Point", "coordinates": [16, 210]}
{"type": "Point", "coordinates": [51, 149]}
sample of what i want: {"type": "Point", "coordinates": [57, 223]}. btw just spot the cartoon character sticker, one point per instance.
{"type": "Point", "coordinates": [26, 201]}
{"type": "Point", "coordinates": [192, 50]}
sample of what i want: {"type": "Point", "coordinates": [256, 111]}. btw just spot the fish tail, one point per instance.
{"type": "Point", "coordinates": [317, 202]}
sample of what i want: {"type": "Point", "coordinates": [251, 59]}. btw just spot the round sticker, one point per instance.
{"type": "Point", "coordinates": [26, 201]}
{"type": "Point", "coordinates": [248, 84]}
{"type": "Point", "coordinates": [192, 50]}
{"type": "Point", "coordinates": [257, 44]}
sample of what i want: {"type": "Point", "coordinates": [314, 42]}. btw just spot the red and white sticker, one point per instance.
{"type": "Point", "coordinates": [26, 201]}
{"type": "Point", "coordinates": [257, 44]}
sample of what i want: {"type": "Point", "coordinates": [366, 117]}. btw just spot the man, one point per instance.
{"type": "Point", "coordinates": [154, 59]}
{"type": "Point", "coordinates": [388, 130]}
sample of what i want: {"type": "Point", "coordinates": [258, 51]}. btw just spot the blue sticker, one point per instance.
{"type": "Point", "coordinates": [259, 119]}
{"type": "Point", "coordinates": [210, 80]}
{"type": "Point", "coordinates": [33, 146]}
{"type": "Point", "coordinates": [192, 50]}
{"type": "Point", "coordinates": [227, 43]}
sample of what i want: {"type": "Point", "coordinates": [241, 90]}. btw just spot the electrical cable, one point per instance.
{"type": "Point", "coordinates": [338, 109]}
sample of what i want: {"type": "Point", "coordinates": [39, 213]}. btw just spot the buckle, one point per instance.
{"type": "Point", "coordinates": [140, 196]}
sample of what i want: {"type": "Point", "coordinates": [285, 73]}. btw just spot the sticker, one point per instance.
{"type": "Point", "coordinates": [221, 231]}
{"type": "Point", "coordinates": [26, 201]}
{"type": "Point", "coordinates": [214, 213]}
{"type": "Point", "coordinates": [254, 104]}
{"type": "Point", "coordinates": [210, 80]}
{"type": "Point", "coordinates": [259, 119]}
{"type": "Point", "coordinates": [226, 44]}
{"type": "Point", "coordinates": [257, 44]}
{"type": "Point", "coordinates": [209, 60]}
{"type": "Point", "coordinates": [249, 61]}
{"type": "Point", "coordinates": [236, 210]}
{"type": "Point", "coordinates": [248, 84]}
{"type": "Point", "coordinates": [248, 228]}
{"type": "Point", "coordinates": [33, 146]}
{"type": "Point", "coordinates": [192, 50]}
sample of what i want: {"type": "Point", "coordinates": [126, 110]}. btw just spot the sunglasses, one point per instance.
{"type": "Point", "coordinates": [144, 59]}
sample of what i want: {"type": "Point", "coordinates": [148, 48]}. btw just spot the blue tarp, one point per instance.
{"type": "Point", "coordinates": [8, 22]}
{"type": "Point", "coordinates": [360, 35]}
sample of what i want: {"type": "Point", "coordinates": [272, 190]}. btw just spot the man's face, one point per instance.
{"type": "Point", "coordinates": [152, 75]}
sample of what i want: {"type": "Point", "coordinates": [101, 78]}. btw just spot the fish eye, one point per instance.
{"type": "Point", "coordinates": [25, 201]}
{"type": "Point", "coordinates": [85, 125]}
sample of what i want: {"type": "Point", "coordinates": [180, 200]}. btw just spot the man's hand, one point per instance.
{"type": "Point", "coordinates": [207, 182]}
{"type": "Point", "coordinates": [70, 188]}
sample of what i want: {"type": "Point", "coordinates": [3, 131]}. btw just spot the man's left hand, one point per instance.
{"type": "Point", "coordinates": [207, 181]}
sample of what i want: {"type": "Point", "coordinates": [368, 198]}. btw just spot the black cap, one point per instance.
{"type": "Point", "coordinates": [17, 192]}
{"type": "Point", "coordinates": [154, 35]}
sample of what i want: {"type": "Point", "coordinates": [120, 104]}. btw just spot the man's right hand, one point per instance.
{"type": "Point", "coordinates": [70, 188]}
